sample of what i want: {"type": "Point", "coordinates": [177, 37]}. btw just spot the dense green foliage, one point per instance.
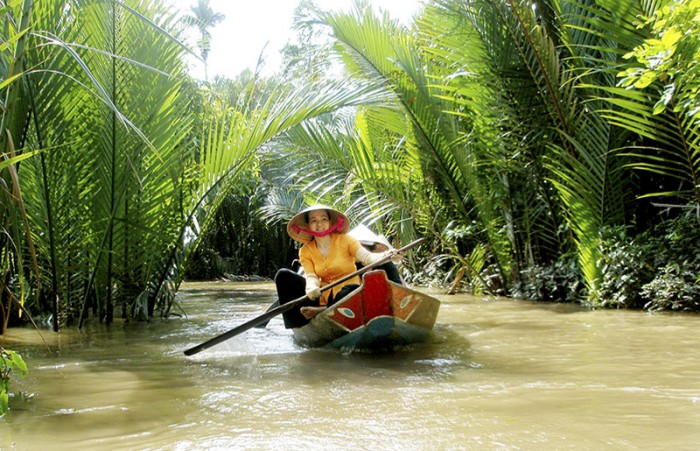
{"type": "Point", "coordinates": [11, 365]}
{"type": "Point", "coordinates": [239, 243]}
{"type": "Point", "coordinates": [134, 157]}
{"type": "Point", "coordinates": [656, 270]}
{"type": "Point", "coordinates": [510, 139]}
{"type": "Point", "coordinates": [537, 143]}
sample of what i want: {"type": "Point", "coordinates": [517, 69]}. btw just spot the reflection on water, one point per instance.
{"type": "Point", "coordinates": [496, 374]}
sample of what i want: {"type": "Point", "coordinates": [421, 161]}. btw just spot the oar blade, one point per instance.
{"type": "Point", "coordinates": [264, 318]}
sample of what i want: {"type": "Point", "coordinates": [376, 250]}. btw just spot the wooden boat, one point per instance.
{"type": "Point", "coordinates": [380, 314]}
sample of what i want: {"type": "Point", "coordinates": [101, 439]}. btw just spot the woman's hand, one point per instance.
{"type": "Point", "coordinates": [314, 293]}
{"type": "Point", "coordinates": [313, 284]}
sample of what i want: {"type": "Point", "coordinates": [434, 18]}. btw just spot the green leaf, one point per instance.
{"type": "Point", "coordinates": [15, 362]}
{"type": "Point", "coordinates": [4, 402]}
{"type": "Point", "coordinates": [14, 160]}
{"type": "Point", "coordinates": [645, 79]}
{"type": "Point", "coordinates": [659, 107]}
{"type": "Point", "coordinates": [671, 37]}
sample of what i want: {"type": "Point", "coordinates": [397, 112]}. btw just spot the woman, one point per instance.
{"type": "Point", "coordinates": [328, 254]}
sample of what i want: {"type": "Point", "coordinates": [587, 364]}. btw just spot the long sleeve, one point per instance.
{"type": "Point", "coordinates": [312, 282]}
{"type": "Point", "coordinates": [367, 258]}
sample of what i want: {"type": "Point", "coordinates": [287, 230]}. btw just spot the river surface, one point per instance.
{"type": "Point", "coordinates": [496, 374]}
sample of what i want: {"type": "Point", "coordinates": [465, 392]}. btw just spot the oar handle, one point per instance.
{"type": "Point", "coordinates": [291, 304]}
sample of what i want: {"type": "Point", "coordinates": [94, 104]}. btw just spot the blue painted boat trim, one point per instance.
{"type": "Point", "coordinates": [381, 332]}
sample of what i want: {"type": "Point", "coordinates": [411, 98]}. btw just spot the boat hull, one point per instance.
{"type": "Point", "coordinates": [379, 314]}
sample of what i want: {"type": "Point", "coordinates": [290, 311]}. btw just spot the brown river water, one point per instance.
{"type": "Point", "coordinates": [496, 374]}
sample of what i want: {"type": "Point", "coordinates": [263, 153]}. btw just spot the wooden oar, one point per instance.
{"type": "Point", "coordinates": [290, 305]}
{"type": "Point", "coordinates": [264, 323]}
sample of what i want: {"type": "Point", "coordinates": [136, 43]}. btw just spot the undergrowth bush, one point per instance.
{"type": "Point", "coordinates": [626, 266]}
{"type": "Point", "coordinates": [656, 270]}
{"type": "Point", "coordinates": [676, 285]}
{"type": "Point", "coordinates": [673, 288]}
{"type": "Point", "coordinates": [558, 282]}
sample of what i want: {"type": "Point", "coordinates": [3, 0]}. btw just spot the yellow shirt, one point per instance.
{"type": "Point", "coordinates": [339, 263]}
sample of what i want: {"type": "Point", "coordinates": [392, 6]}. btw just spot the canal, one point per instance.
{"type": "Point", "coordinates": [495, 374]}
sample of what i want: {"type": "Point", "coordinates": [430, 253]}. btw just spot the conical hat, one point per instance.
{"type": "Point", "coordinates": [370, 239]}
{"type": "Point", "coordinates": [300, 221]}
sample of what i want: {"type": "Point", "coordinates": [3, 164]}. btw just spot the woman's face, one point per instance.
{"type": "Point", "coordinates": [319, 220]}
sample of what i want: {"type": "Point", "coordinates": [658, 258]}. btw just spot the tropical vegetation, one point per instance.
{"type": "Point", "coordinates": [549, 149]}
{"type": "Point", "coordinates": [203, 17]}
{"type": "Point", "coordinates": [11, 365]}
